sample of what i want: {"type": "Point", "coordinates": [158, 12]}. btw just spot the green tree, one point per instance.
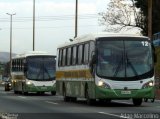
{"type": "Point", "coordinates": [121, 14]}
{"type": "Point", "coordinates": [143, 6]}
{"type": "Point", "coordinates": [130, 14]}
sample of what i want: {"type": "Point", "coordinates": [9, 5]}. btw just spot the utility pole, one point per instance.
{"type": "Point", "coordinates": [150, 19]}
{"type": "Point", "coordinates": [33, 25]}
{"type": "Point", "coordinates": [10, 40]}
{"type": "Point", "coordinates": [76, 19]}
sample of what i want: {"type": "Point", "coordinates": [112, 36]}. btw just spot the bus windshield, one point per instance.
{"type": "Point", "coordinates": [41, 68]}
{"type": "Point", "coordinates": [124, 58]}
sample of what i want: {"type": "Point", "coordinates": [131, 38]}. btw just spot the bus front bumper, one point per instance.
{"type": "Point", "coordinates": [102, 93]}
{"type": "Point", "coordinates": [32, 88]}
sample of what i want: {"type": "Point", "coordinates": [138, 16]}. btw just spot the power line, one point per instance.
{"type": "Point", "coordinates": [55, 27]}
{"type": "Point", "coordinates": [51, 18]}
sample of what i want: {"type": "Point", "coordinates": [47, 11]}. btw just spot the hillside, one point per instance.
{"type": "Point", "coordinates": [5, 56]}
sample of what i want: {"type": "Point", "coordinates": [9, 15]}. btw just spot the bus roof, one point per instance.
{"type": "Point", "coordinates": [94, 36]}
{"type": "Point", "coordinates": [32, 53]}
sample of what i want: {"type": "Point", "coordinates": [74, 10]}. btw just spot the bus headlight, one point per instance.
{"type": "Point", "coordinates": [100, 83]}
{"type": "Point", "coordinates": [103, 84]}
{"type": "Point", "coordinates": [151, 84]}
{"type": "Point", "coordinates": [29, 83]}
{"type": "Point", "coordinates": [53, 82]}
{"type": "Point", "coordinates": [148, 84]}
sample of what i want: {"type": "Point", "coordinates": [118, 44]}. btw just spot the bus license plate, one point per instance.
{"type": "Point", "coordinates": [125, 92]}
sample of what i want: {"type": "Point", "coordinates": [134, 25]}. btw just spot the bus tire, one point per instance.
{"type": "Point", "coordinates": [152, 100]}
{"type": "Point", "coordinates": [108, 100]}
{"type": "Point", "coordinates": [73, 99]}
{"type": "Point", "coordinates": [42, 92]}
{"type": "Point", "coordinates": [53, 92]}
{"type": "Point", "coordinates": [15, 92]}
{"type": "Point", "coordinates": [145, 99]}
{"type": "Point", "coordinates": [6, 88]}
{"type": "Point", "coordinates": [24, 92]}
{"type": "Point", "coordinates": [137, 101]}
{"type": "Point", "coordinates": [101, 101]}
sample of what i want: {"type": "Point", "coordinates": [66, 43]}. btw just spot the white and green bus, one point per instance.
{"type": "Point", "coordinates": [34, 72]}
{"type": "Point", "coordinates": [106, 67]}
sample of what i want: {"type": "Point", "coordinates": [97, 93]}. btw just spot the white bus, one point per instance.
{"type": "Point", "coordinates": [33, 72]}
{"type": "Point", "coordinates": [124, 71]}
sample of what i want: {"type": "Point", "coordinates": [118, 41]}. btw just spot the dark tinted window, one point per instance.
{"type": "Point", "coordinates": [74, 55]}
{"type": "Point", "coordinates": [91, 49]}
{"type": "Point", "coordinates": [86, 53]}
{"type": "Point", "coordinates": [60, 58]}
{"type": "Point", "coordinates": [69, 56]}
{"type": "Point", "coordinates": [80, 54]}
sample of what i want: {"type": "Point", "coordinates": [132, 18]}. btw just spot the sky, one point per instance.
{"type": "Point", "coordinates": [54, 23]}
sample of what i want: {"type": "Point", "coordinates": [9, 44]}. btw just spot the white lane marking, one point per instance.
{"type": "Point", "coordinates": [122, 102]}
{"type": "Point", "coordinates": [119, 116]}
{"type": "Point", "coordinates": [51, 102]}
{"type": "Point", "coordinates": [21, 97]}
{"type": "Point", "coordinates": [6, 92]}
{"type": "Point", "coordinates": [157, 100]}
{"type": "Point", "coordinates": [3, 92]}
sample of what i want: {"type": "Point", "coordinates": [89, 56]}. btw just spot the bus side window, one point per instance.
{"type": "Point", "coordinates": [13, 64]}
{"type": "Point", "coordinates": [79, 54]}
{"type": "Point", "coordinates": [91, 50]}
{"type": "Point", "coordinates": [86, 53]}
{"type": "Point", "coordinates": [71, 59]}
{"type": "Point", "coordinates": [64, 57]}
{"type": "Point", "coordinates": [69, 56]}
{"type": "Point", "coordinates": [74, 55]}
{"type": "Point", "coordinates": [20, 65]}
{"type": "Point", "coordinates": [83, 54]}
{"type": "Point", "coordinates": [16, 65]}
{"type": "Point", "coordinates": [60, 58]}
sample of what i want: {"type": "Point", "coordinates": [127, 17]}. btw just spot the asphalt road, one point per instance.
{"type": "Point", "coordinates": [46, 106]}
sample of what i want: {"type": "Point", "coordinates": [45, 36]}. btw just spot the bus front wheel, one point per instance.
{"type": "Point", "coordinates": [137, 101]}
{"type": "Point", "coordinates": [145, 99]}
{"type": "Point", "coordinates": [53, 92]}
{"type": "Point", "coordinates": [15, 92]}
{"type": "Point", "coordinates": [89, 101]}
{"type": "Point", "coordinates": [23, 90]}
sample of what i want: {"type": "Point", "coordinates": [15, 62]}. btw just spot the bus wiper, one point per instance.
{"type": "Point", "coordinates": [118, 66]}
{"type": "Point", "coordinates": [131, 65]}
{"type": "Point", "coordinates": [39, 73]}
{"type": "Point", "coordinates": [45, 69]}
